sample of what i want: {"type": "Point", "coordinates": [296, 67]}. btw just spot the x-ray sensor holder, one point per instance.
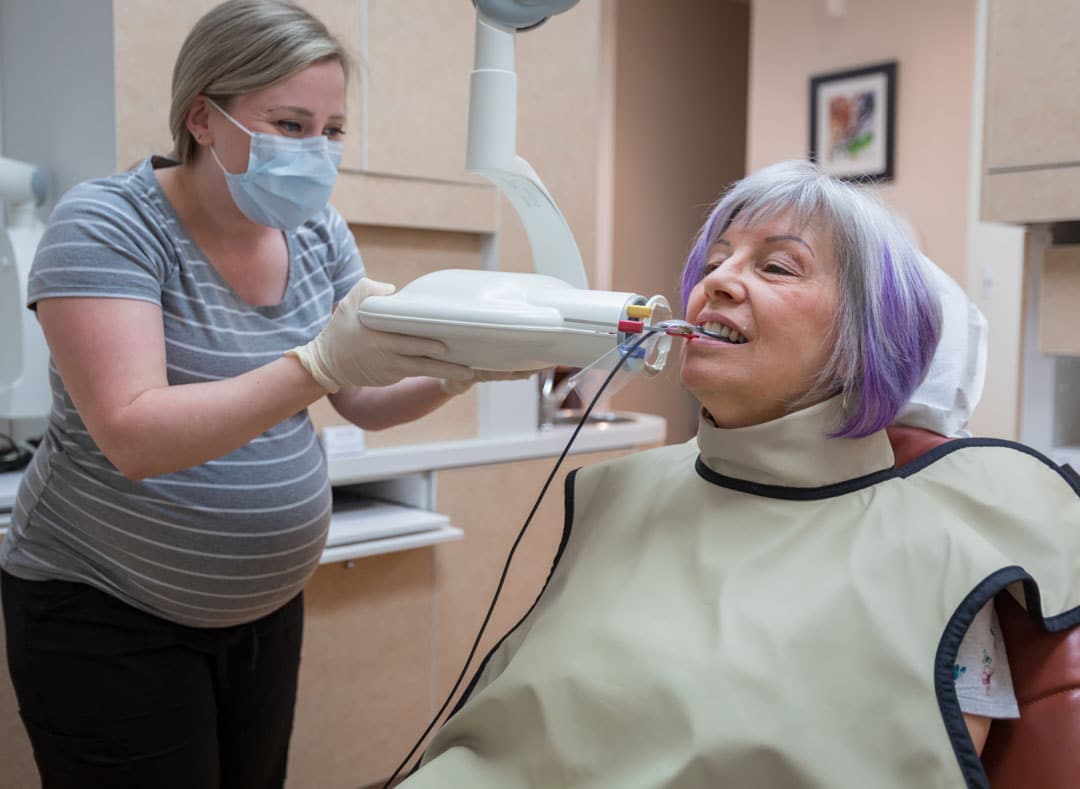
{"type": "Point", "coordinates": [494, 320]}
{"type": "Point", "coordinates": [504, 320]}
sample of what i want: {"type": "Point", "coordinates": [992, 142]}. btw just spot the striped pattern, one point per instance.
{"type": "Point", "coordinates": [218, 544]}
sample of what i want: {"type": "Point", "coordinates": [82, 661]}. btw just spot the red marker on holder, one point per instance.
{"type": "Point", "coordinates": [673, 328]}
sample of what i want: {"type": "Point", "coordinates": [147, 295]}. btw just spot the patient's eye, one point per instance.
{"type": "Point", "coordinates": [774, 267]}
{"type": "Point", "coordinates": [710, 267]}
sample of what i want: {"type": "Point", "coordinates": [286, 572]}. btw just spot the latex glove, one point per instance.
{"type": "Point", "coordinates": [456, 387]}
{"type": "Point", "coordinates": [347, 353]}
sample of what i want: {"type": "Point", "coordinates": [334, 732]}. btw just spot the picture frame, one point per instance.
{"type": "Point", "coordinates": [853, 122]}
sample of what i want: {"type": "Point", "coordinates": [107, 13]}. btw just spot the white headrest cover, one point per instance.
{"type": "Point", "coordinates": [945, 400]}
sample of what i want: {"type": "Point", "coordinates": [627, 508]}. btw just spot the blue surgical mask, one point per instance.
{"type": "Point", "coordinates": [287, 181]}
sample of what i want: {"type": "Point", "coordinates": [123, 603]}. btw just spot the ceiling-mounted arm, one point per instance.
{"type": "Point", "coordinates": [493, 134]}
{"type": "Point", "coordinates": [521, 15]}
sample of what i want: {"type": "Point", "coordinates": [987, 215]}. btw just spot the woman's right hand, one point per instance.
{"type": "Point", "coordinates": [347, 353]}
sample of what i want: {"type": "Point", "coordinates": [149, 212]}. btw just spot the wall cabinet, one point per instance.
{"type": "Point", "coordinates": [110, 65]}
{"type": "Point", "coordinates": [1031, 156]}
{"type": "Point", "coordinates": [408, 93]}
{"type": "Point", "coordinates": [1050, 342]}
{"type": "Point", "coordinates": [417, 56]}
{"type": "Point", "coordinates": [1059, 294]}
{"type": "Point", "coordinates": [1031, 176]}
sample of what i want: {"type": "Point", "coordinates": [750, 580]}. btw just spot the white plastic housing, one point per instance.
{"type": "Point", "coordinates": [24, 357]}
{"type": "Point", "coordinates": [501, 320]}
{"type": "Point", "coordinates": [21, 182]}
{"type": "Point", "coordinates": [492, 139]}
{"type": "Point", "coordinates": [491, 154]}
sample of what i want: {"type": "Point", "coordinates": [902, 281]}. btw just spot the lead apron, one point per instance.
{"type": "Point", "coordinates": [782, 611]}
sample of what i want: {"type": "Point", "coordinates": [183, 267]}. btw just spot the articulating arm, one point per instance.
{"type": "Point", "coordinates": [493, 131]}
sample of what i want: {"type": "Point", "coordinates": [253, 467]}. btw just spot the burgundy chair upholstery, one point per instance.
{"type": "Point", "coordinates": [909, 443]}
{"type": "Point", "coordinates": [1040, 749]}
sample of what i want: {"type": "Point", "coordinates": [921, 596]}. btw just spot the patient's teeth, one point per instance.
{"type": "Point", "coordinates": [725, 332]}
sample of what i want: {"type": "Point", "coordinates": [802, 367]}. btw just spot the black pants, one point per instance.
{"type": "Point", "coordinates": [114, 697]}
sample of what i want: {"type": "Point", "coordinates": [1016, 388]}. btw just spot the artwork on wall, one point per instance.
{"type": "Point", "coordinates": [852, 122]}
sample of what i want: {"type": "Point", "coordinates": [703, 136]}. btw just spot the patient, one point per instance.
{"type": "Point", "coordinates": [778, 604]}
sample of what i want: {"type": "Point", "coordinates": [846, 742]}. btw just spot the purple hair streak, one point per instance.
{"type": "Point", "coordinates": [889, 321]}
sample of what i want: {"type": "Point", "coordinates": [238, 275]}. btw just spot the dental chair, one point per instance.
{"type": "Point", "coordinates": [1041, 748]}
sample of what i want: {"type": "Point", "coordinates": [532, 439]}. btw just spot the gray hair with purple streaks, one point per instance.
{"type": "Point", "coordinates": [889, 319]}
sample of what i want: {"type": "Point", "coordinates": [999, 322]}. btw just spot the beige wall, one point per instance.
{"type": "Point", "coordinates": [558, 68]}
{"type": "Point", "coordinates": [933, 40]}
{"type": "Point", "coordinates": [938, 45]}
{"type": "Point", "coordinates": [995, 275]}
{"type": "Point", "coordinates": [679, 71]}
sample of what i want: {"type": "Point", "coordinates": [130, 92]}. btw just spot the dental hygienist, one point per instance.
{"type": "Point", "coordinates": [161, 538]}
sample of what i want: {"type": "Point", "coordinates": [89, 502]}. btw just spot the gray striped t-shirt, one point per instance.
{"type": "Point", "coordinates": [214, 545]}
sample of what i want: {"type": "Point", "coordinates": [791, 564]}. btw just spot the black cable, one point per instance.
{"type": "Point", "coordinates": [626, 353]}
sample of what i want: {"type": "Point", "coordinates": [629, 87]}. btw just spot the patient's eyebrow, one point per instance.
{"type": "Point", "coordinates": [771, 239]}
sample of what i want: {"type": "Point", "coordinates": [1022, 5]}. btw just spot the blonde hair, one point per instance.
{"type": "Point", "coordinates": [242, 46]}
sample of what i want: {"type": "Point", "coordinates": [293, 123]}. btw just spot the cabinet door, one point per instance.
{"type": "Point", "coordinates": [365, 670]}
{"type": "Point", "coordinates": [15, 754]}
{"type": "Point", "coordinates": [1059, 293]}
{"type": "Point", "coordinates": [417, 59]}
{"type": "Point", "coordinates": [490, 503]}
{"type": "Point", "coordinates": [1033, 69]}
{"type": "Point", "coordinates": [1031, 155]}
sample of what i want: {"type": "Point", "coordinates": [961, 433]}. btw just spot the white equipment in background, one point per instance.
{"type": "Point", "coordinates": [502, 320]}
{"type": "Point", "coordinates": [24, 357]}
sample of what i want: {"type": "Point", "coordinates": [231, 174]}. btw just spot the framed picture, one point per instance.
{"type": "Point", "coordinates": [852, 122]}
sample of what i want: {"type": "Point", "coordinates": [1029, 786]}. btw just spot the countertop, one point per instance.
{"type": "Point", "coordinates": [386, 463]}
